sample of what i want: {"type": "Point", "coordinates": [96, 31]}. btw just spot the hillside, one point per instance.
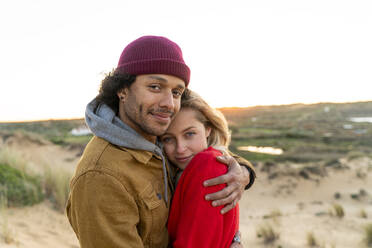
{"type": "Point", "coordinates": [315, 132]}
{"type": "Point", "coordinates": [325, 131]}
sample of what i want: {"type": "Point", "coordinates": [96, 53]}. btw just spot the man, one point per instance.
{"type": "Point", "coordinates": [121, 190]}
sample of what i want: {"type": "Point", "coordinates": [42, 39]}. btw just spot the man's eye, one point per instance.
{"type": "Point", "coordinates": [154, 87]}
{"type": "Point", "coordinates": [177, 93]}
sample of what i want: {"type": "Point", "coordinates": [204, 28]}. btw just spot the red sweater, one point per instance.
{"type": "Point", "coordinates": [193, 222]}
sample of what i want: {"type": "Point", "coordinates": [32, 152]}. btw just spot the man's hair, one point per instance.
{"type": "Point", "coordinates": [209, 116]}
{"type": "Point", "coordinates": [110, 86]}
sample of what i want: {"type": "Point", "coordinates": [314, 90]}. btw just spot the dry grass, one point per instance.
{"type": "Point", "coordinates": [311, 240]}
{"type": "Point", "coordinates": [361, 174]}
{"type": "Point", "coordinates": [363, 214]}
{"type": "Point", "coordinates": [6, 234]}
{"type": "Point", "coordinates": [267, 233]}
{"type": "Point", "coordinates": [56, 185]}
{"type": "Point", "coordinates": [13, 159]}
{"type": "Point", "coordinates": [54, 181]}
{"type": "Point", "coordinates": [274, 215]}
{"type": "Point", "coordinates": [337, 210]}
{"type": "Point", "coordinates": [368, 235]}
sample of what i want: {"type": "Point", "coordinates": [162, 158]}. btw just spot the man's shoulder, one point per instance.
{"type": "Point", "coordinates": [99, 149]}
{"type": "Point", "coordinates": [102, 155]}
{"type": "Point", "coordinates": [96, 144]}
{"type": "Point", "coordinates": [96, 151]}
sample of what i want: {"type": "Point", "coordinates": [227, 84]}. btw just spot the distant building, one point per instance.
{"type": "Point", "coordinates": [80, 131]}
{"type": "Point", "coordinates": [361, 119]}
{"type": "Point", "coordinates": [348, 126]}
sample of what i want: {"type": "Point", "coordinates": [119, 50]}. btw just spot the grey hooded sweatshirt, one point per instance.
{"type": "Point", "coordinates": [105, 124]}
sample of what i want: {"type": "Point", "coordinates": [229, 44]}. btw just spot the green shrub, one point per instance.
{"type": "Point", "coordinates": [355, 154]}
{"type": "Point", "coordinates": [20, 189]}
{"type": "Point", "coordinates": [10, 157]}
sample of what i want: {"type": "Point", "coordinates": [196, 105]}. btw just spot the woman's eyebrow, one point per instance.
{"type": "Point", "coordinates": [188, 128]}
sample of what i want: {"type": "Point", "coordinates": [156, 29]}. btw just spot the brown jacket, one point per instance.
{"type": "Point", "coordinates": [117, 198]}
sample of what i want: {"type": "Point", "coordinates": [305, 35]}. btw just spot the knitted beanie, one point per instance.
{"type": "Point", "coordinates": [154, 55]}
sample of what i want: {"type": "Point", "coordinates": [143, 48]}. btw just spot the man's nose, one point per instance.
{"type": "Point", "coordinates": [167, 101]}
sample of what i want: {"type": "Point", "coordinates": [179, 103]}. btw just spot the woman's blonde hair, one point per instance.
{"type": "Point", "coordinates": [209, 116]}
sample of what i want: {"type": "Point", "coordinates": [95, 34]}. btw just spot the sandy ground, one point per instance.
{"type": "Point", "coordinates": [38, 226]}
{"type": "Point", "coordinates": [304, 206]}
{"type": "Point", "coordinates": [291, 205]}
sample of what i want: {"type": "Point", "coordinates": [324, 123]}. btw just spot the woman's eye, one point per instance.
{"type": "Point", "coordinates": [166, 140]}
{"type": "Point", "coordinates": [189, 134]}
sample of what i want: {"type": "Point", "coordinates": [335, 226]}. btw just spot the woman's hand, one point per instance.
{"type": "Point", "coordinates": [236, 245]}
{"type": "Point", "coordinates": [236, 179]}
{"type": "Point", "coordinates": [237, 241]}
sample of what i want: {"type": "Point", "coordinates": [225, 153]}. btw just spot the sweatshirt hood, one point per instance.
{"type": "Point", "coordinates": [103, 123]}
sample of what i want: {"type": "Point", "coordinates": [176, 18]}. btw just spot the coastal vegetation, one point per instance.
{"type": "Point", "coordinates": [316, 157]}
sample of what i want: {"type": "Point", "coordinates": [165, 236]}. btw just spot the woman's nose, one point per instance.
{"type": "Point", "coordinates": [181, 147]}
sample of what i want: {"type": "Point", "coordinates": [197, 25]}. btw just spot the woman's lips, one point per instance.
{"type": "Point", "coordinates": [184, 159]}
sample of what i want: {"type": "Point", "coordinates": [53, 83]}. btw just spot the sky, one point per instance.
{"type": "Point", "coordinates": [53, 54]}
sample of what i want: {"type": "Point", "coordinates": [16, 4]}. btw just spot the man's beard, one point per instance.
{"type": "Point", "coordinates": [147, 128]}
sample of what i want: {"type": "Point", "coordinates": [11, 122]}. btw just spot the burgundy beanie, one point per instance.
{"type": "Point", "coordinates": [154, 55]}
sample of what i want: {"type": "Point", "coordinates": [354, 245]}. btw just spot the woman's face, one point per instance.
{"type": "Point", "coordinates": [184, 138]}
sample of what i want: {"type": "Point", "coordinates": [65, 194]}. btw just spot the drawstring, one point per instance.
{"type": "Point", "coordinates": [165, 181]}
{"type": "Point", "coordinates": [165, 175]}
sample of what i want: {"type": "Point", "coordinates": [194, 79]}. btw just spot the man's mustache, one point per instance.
{"type": "Point", "coordinates": [162, 111]}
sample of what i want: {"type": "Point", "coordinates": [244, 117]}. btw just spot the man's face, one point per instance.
{"type": "Point", "coordinates": [150, 103]}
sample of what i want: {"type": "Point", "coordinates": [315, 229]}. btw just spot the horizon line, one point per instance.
{"type": "Point", "coordinates": [226, 107]}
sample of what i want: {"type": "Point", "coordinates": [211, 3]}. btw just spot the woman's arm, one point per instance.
{"type": "Point", "coordinates": [241, 176]}
{"type": "Point", "coordinates": [193, 222]}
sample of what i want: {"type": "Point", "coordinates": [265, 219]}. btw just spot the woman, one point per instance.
{"type": "Point", "coordinates": [196, 136]}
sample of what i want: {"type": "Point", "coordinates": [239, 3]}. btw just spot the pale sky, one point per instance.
{"type": "Point", "coordinates": [53, 54]}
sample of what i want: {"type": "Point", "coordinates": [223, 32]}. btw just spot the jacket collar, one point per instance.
{"type": "Point", "coordinates": [140, 155]}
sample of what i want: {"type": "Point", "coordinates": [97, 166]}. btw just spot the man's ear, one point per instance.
{"type": "Point", "coordinates": [122, 94]}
